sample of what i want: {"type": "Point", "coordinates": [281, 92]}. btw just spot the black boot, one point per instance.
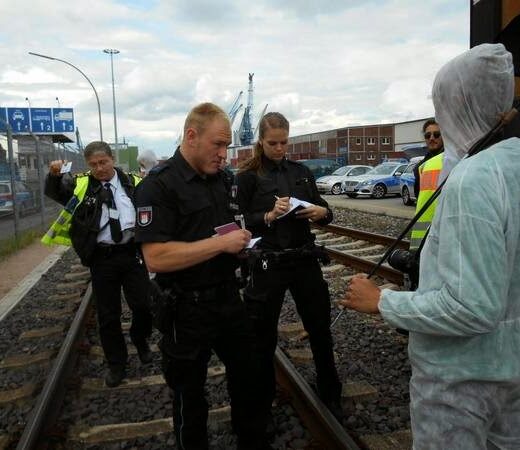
{"type": "Point", "coordinates": [115, 376]}
{"type": "Point", "coordinates": [144, 352]}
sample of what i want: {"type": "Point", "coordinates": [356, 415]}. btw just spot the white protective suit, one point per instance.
{"type": "Point", "coordinates": [464, 319]}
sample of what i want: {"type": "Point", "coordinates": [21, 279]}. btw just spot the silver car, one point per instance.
{"type": "Point", "coordinates": [332, 183]}
{"type": "Point", "coordinates": [380, 181]}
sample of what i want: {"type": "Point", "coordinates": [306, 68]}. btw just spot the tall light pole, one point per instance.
{"type": "Point", "coordinates": [28, 102]}
{"type": "Point", "coordinates": [112, 52]}
{"type": "Point", "coordinates": [58, 102]}
{"type": "Point", "coordinates": [87, 78]}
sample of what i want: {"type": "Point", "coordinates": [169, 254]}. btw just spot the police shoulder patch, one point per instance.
{"type": "Point", "coordinates": [144, 216]}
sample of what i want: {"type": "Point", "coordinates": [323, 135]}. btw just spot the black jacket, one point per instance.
{"type": "Point", "coordinates": [257, 195]}
{"type": "Point", "coordinates": [85, 221]}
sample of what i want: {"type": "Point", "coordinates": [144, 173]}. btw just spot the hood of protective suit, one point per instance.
{"type": "Point", "coordinates": [469, 94]}
{"type": "Point", "coordinates": [147, 160]}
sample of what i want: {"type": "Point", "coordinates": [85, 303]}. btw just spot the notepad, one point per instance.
{"type": "Point", "coordinates": [295, 205]}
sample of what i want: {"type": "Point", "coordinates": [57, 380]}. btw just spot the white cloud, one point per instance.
{"type": "Point", "coordinates": [323, 64]}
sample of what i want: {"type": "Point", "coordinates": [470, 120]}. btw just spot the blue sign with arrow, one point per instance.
{"type": "Point", "coordinates": [41, 120]}
{"type": "Point", "coordinates": [18, 118]}
{"type": "Point", "coordinates": [63, 119]}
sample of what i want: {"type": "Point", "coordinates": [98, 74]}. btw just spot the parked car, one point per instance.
{"type": "Point", "coordinates": [24, 198]}
{"type": "Point", "coordinates": [407, 181]}
{"type": "Point", "coordinates": [320, 167]}
{"type": "Point", "coordinates": [380, 181]}
{"type": "Point", "coordinates": [332, 183]}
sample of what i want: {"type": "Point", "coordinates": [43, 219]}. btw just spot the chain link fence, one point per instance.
{"type": "Point", "coordinates": [25, 211]}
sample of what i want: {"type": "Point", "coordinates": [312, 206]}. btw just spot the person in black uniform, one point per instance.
{"type": "Point", "coordinates": [289, 257]}
{"type": "Point", "coordinates": [102, 233]}
{"type": "Point", "coordinates": [179, 205]}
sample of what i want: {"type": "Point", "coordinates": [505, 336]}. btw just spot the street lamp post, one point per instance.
{"type": "Point", "coordinates": [87, 78]}
{"type": "Point", "coordinates": [112, 52]}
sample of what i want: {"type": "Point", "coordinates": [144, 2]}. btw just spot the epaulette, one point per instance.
{"type": "Point", "coordinates": [82, 174]}
{"type": "Point", "coordinates": [158, 169]}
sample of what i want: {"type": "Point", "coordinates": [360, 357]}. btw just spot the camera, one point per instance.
{"type": "Point", "coordinates": [408, 263]}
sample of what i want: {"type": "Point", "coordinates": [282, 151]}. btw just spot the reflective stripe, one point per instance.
{"type": "Point", "coordinates": [429, 179]}
{"type": "Point", "coordinates": [422, 226]}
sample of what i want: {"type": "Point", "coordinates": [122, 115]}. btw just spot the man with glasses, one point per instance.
{"type": "Point", "coordinates": [433, 138]}
{"type": "Point", "coordinates": [426, 176]}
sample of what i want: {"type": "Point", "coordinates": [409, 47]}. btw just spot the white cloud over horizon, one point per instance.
{"type": "Point", "coordinates": [323, 64]}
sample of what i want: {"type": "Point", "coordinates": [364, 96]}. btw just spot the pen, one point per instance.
{"type": "Point", "coordinates": [240, 218]}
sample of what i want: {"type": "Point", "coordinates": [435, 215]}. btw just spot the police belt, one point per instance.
{"type": "Point", "coordinates": [105, 250]}
{"type": "Point", "coordinates": [206, 293]}
{"type": "Point", "coordinates": [288, 255]}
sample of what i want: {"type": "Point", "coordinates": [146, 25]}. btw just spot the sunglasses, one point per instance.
{"type": "Point", "coordinates": [436, 135]}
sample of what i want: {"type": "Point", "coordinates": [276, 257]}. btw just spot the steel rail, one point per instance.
{"type": "Point", "coordinates": [362, 235]}
{"type": "Point", "coordinates": [48, 404]}
{"type": "Point", "coordinates": [365, 265]}
{"type": "Point", "coordinates": [315, 415]}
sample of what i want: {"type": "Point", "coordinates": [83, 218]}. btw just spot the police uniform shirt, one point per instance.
{"type": "Point", "coordinates": [175, 203]}
{"type": "Point", "coordinates": [257, 195]}
{"type": "Point", "coordinates": [125, 210]}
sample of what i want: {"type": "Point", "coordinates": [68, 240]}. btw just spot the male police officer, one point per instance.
{"type": "Point", "coordinates": [179, 204]}
{"type": "Point", "coordinates": [98, 221]}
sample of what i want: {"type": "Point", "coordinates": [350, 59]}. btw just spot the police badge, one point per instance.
{"type": "Point", "coordinates": [144, 216]}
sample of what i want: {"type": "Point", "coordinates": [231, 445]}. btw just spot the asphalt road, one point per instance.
{"type": "Point", "coordinates": [391, 206]}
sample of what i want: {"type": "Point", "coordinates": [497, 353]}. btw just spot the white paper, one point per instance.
{"type": "Point", "coordinates": [295, 203]}
{"type": "Point", "coordinates": [252, 242]}
{"type": "Point", "coordinates": [66, 167]}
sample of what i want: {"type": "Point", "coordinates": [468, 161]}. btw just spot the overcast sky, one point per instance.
{"type": "Point", "coordinates": [323, 63]}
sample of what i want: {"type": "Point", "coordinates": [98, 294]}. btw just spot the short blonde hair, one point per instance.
{"type": "Point", "coordinates": [203, 114]}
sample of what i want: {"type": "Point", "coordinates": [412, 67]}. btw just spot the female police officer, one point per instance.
{"type": "Point", "coordinates": [288, 257]}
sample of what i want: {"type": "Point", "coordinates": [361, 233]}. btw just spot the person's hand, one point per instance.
{"type": "Point", "coordinates": [235, 241]}
{"type": "Point", "coordinates": [281, 206]}
{"type": "Point", "coordinates": [312, 213]}
{"type": "Point", "coordinates": [55, 167]}
{"type": "Point", "coordinates": [362, 295]}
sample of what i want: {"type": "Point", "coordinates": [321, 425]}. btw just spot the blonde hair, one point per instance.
{"type": "Point", "coordinates": [272, 120]}
{"type": "Point", "coordinates": [199, 117]}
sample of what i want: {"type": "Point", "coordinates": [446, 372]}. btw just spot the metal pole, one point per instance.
{"type": "Point", "coordinates": [40, 180]}
{"type": "Point", "coordinates": [87, 78]}
{"type": "Point", "coordinates": [12, 168]}
{"type": "Point", "coordinates": [112, 52]}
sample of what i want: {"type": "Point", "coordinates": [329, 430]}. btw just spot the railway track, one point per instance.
{"type": "Point", "coordinates": [72, 408]}
{"type": "Point", "coordinates": [74, 384]}
{"type": "Point", "coordinates": [371, 358]}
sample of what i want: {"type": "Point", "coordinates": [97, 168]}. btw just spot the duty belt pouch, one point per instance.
{"type": "Point", "coordinates": [163, 303]}
{"type": "Point", "coordinates": [83, 232]}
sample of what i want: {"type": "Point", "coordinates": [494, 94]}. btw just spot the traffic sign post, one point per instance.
{"type": "Point", "coordinates": [63, 120]}
{"type": "Point", "coordinates": [19, 119]}
{"type": "Point", "coordinates": [3, 120]}
{"type": "Point", "coordinates": [41, 120]}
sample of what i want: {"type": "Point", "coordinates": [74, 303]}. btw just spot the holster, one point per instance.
{"type": "Point", "coordinates": [163, 304]}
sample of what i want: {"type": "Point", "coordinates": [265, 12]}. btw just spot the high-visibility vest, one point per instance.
{"type": "Point", "coordinates": [58, 233]}
{"type": "Point", "coordinates": [429, 175]}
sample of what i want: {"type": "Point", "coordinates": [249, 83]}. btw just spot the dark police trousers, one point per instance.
{"type": "Point", "coordinates": [264, 296]}
{"type": "Point", "coordinates": [113, 267]}
{"type": "Point", "coordinates": [214, 319]}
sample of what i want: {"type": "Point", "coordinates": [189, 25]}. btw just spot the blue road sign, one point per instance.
{"type": "Point", "coordinates": [3, 116]}
{"type": "Point", "coordinates": [41, 120]}
{"type": "Point", "coordinates": [18, 118]}
{"type": "Point", "coordinates": [63, 119]}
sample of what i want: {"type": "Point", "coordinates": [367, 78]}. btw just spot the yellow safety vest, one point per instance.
{"type": "Point", "coordinates": [429, 175]}
{"type": "Point", "coordinates": [58, 233]}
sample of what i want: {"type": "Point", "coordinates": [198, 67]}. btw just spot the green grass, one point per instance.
{"type": "Point", "coordinates": [11, 245]}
